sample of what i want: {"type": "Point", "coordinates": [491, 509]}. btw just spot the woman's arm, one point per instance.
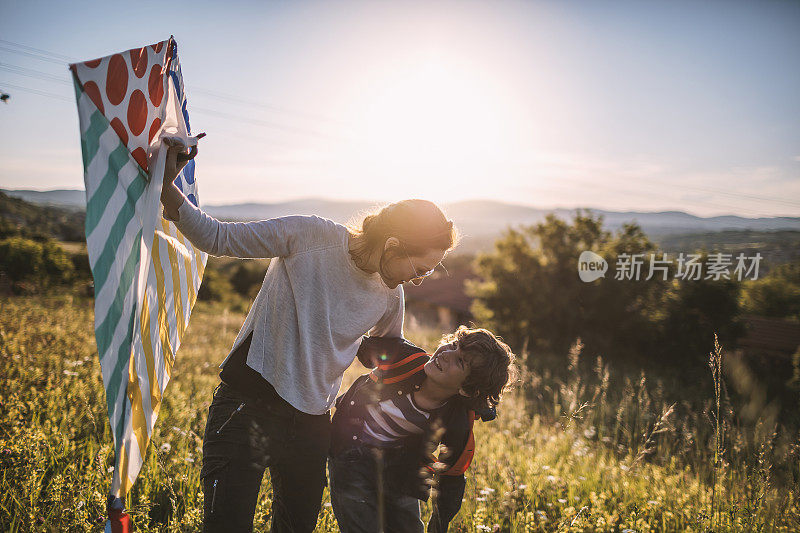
{"type": "Point", "coordinates": [277, 237]}
{"type": "Point", "coordinates": [171, 197]}
{"type": "Point", "coordinates": [391, 323]}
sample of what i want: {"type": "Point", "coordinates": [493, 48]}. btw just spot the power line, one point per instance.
{"type": "Point", "coordinates": [31, 73]}
{"type": "Point", "coordinates": [36, 91]}
{"type": "Point", "coordinates": [561, 179]}
{"type": "Point", "coordinates": [258, 122]}
{"type": "Point", "coordinates": [235, 99]}
{"type": "Point", "coordinates": [53, 57]}
{"type": "Point", "coordinates": [39, 50]}
{"type": "Point", "coordinates": [33, 55]}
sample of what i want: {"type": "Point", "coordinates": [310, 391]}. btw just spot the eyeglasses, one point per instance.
{"type": "Point", "coordinates": [420, 277]}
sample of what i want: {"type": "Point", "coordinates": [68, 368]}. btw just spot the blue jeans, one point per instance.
{"type": "Point", "coordinates": [362, 500]}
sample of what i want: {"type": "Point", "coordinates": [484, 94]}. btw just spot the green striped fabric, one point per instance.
{"type": "Point", "coordinates": [146, 273]}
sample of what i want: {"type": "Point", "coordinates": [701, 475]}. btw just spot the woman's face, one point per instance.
{"type": "Point", "coordinates": [403, 267]}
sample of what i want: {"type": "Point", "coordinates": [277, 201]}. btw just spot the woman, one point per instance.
{"type": "Point", "coordinates": [326, 287]}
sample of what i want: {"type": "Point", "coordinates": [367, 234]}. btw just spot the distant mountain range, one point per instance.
{"type": "Point", "coordinates": [479, 220]}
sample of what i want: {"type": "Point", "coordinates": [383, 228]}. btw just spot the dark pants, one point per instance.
{"type": "Point", "coordinates": [364, 501]}
{"type": "Point", "coordinates": [246, 436]}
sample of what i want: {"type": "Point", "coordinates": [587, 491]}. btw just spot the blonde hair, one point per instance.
{"type": "Point", "coordinates": [419, 225]}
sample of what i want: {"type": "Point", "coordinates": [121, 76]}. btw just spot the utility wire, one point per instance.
{"type": "Point", "coordinates": [53, 57]}
{"type": "Point", "coordinates": [36, 91]}
{"type": "Point", "coordinates": [39, 50]}
{"type": "Point", "coordinates": [31, 73]}
{"type": "Point", "coordinates": [576, 182]}
{"type": "Point", "coordinates": [33, 55]}
{"type": "Point", "coordinates": [258, 122]}
{"type": "Point", "coordinates": [615, 188]}
{"type": "Point", "coordinates": [241, 101]}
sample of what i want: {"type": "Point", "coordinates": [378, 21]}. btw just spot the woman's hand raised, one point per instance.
{"type": "Point", "coordinates": [177, 157]}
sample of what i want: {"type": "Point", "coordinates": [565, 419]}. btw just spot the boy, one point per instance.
{"type": "Point", "coordinates": [390, 420]}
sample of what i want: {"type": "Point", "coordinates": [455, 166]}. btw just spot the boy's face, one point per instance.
{"type": "Point", "coordinates": [448, 367]}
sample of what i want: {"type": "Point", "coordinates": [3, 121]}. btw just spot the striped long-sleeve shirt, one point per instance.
{"type": "Point", "coordinates": [394, 419]}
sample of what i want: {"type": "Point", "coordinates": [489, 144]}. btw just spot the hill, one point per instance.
{"type": "Point", "coordinates": [480, 221]}
{"type": "Point", "coordinates": [19, 217]}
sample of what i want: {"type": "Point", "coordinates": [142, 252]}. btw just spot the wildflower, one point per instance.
{"type": "Point", "coordinates": [551, 479]}
{"type": "Point", "coordinates": [480, 499]}
{"type": "Point", "coordinates": [562, 501]}
{"type": "Point", "coordinates": [70, 373]}
{"type": "Point", "coordinates": [523, 487]}
{"type": "Point", "coordinates": [486, 491]}
{"type": "Point", "coordinates": [652, 502]}
{"type": "Point", "coordinates": [481, 527]}
{"type": "Point", "coordinates": [166, 447]}
{"type": "Point", "coordinates": [327, 504]}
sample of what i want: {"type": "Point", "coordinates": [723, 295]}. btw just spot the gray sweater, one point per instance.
{"type": "Point", "coordinates": [314, 304]}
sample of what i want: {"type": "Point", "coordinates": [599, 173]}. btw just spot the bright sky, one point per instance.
{"type": "Point", "coordinates": [640, 105]}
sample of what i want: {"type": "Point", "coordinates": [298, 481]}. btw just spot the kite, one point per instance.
{"type": "Point", "coordinates": [146, 273]}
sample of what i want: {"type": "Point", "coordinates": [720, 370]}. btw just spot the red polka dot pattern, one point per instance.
{"type": "Point", "coordinates": [119, 127]}
{"type": "Point", "coordinates": [117, 79]}
{"type": "Point", "coordinates": [137, 112]}
{"type": "Point", "coordinates": [141, 157]}
{"type": "Point", "coordinates": [128, 89]}
{"type": "Point", "coordinates": [155, 85]}
{"type": "Point", "coordinates": [154, 127]}
{"type": "Point", "coordinates": [91, 89]}
{"type": "Point", "coordinates": [139, 61]}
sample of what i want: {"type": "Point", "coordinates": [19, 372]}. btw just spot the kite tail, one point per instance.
{"type": "Point", "coordinates": [118, 520]}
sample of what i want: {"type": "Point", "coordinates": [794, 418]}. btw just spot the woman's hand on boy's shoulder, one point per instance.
{"type": "Point", "coordinates": [383, 350]}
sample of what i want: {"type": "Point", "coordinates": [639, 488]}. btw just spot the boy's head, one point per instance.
{"type": "Point", "coordinates": [475, 364]}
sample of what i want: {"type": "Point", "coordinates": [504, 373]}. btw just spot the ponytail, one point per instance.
{"type": "Point", "coordinates": [419, 225]}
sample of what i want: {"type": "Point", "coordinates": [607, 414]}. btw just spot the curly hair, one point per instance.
{"type": "Point", "coordinates": [492, 369]}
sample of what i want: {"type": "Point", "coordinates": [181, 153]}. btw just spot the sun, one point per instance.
{"type": "Point", "coordinates": [436, 128]}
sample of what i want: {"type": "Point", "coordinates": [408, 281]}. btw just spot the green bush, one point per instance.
{"type": "Point", "coordinates": [777, 295]}
{"type": "Point", "coordinates": [44, 263]}
{"type": "Point", "coordinates": [215, 286]}
{"type": "Point", "coordinates": [532, 295]}
{"type": "Point", "coordinates": [247, 278]}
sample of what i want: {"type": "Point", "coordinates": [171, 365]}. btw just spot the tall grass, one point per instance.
{"type": "Point", "coordinates": [575, 453]}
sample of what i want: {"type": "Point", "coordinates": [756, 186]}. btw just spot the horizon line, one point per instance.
{"type": "Point", "coordinates": [465, 200]}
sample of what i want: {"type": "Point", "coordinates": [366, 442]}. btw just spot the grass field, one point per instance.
{"type": "Point", "coordinates": [565, 455]}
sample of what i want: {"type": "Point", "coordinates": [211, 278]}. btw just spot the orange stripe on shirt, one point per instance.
{"type": "Point", "coordinates": [402, 361]}
{"type": "Point", "coordinates": [465, 459]}
{"type": "Point", "coordinates": [401, 377]}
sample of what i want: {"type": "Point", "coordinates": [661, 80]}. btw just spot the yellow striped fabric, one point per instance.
{"type": "Point", "coordinates": [147, 274]}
